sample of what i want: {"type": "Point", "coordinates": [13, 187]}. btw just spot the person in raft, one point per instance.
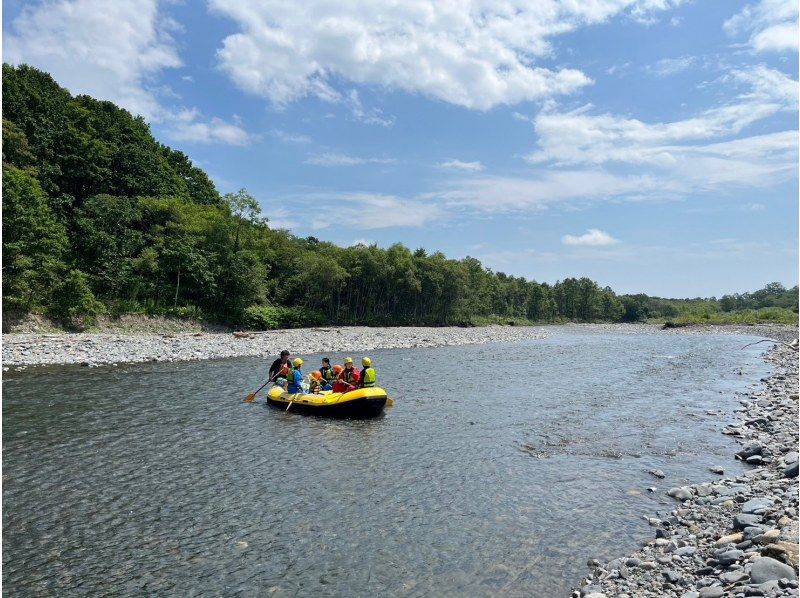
{"type": "Point", "coordinates": [348, 377]}
{"type": "Point", "coordinates": [367, 377]}
{"type": "Point", "coordinates": [294, 383]}
{"type": "Point", "coordinates": [326, 371]}
{"type": "Point", "coordinates": [315, 381]}
{"type": "Point", "coordinates": [279, 369]}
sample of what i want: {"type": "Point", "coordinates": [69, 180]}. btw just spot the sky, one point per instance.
{"type": "Point", "coordinates": [651, 145]}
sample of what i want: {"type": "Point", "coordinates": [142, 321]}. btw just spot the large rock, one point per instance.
{"type": "Point", "coordinates": [730, 539]}
{"type": "Point", "coordinates": [681, 494]}
{"type": "Point", "coordinates": [751, 449]}
{"type": "Point", "coordinates": [729, 557]}
{"type": "Point", "coordinates": [783, 551]}
{"type": "Point", "coordinates": [765, 569]}
{"type": "Point", "coordinates": [743, 520]}
{"type": "Point", "coordinates": [791, 471]}
{"type": "Point", "coordinates": [757, 506]}
{"type": "Point", "coordinates": [711, 592]}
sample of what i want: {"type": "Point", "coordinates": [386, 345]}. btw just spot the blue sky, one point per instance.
{"type": "Point", "coordinates": [648, 144]}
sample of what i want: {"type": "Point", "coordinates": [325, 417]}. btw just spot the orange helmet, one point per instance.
{"type": "Point", "coordinates": [337, 369]}
{"type": "Point", "coordinates": [316, 375]}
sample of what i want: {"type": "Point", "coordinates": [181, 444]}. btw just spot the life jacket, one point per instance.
{"type": "Point", "coordinates": [368, 377]}
{"type": "Point", "coordinates": [283, 371]}
{"type": "Point", "coordinates": [293, 386]}
{"type": "Point", "coordinates": [314, 387]}
{"type": "Point", "coordinates": [327, 374]}
{"type": "Point", "coordinates": [348, 375]}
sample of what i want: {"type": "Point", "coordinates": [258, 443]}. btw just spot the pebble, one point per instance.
{"type": "Point", "coordinates": [736, 536]}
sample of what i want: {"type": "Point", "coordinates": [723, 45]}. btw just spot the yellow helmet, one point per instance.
{"type": "Point", "coordinates": [366, 362]}
{"type": "Point", "coordinates": [297, 362]}
{"type": "Point", "coordinates": [348, 360]}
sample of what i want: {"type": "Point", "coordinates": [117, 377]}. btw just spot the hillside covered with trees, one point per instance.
{"type": "Point", "coordinates": [99, 217]}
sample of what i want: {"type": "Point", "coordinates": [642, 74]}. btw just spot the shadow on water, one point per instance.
{"type": "Point", "coordinates": [500, 469]}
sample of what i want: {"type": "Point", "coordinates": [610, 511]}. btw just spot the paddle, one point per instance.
{"type": "Point", "coordinates": [252, 396]}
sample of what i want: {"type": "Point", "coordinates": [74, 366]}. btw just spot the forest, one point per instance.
{"type": "Point", "coordinates": [101, 218]}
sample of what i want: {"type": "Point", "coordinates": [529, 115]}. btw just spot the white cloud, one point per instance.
{"type": "Point", "coordinates": [472, 54]}
{"type": "Point", "coordinates": [105, 49]}
{"type": "Point", "coordinates": [506, 194]}
{"type": "Point", "coordinates": [672, 66]}
{"type": "Point", "coordinates": [367, 211]}
{"type": "Point", "coordinates": [334, 159]}
{"type": "Point", "coordinates": [684, 152]}
{"type": "Point", "coordinates": [214, 131]}
{"type": "Point", "coordinates": [459, 165]}
{"type": "Point", "coordinates": [771, 24]}
{"type": "Point", "coordinates": [112, 51]}
{"type": "Point", "coordinates": [591, 238]}
{"type": "Point", "coordinates": [373, 116]}
{"type": "Point", "coordinates": [287, 137]}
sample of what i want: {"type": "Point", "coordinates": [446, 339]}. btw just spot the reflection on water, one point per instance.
{"type": "Point", "coordinates": [500, 469]}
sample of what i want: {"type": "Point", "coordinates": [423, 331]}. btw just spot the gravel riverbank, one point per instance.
{"type": "Point", "coordinates": [93, 349]}
{"type": "Point", "coordinates": [152, 339]}
{"type": "Point", "coordinates": [734, 536]}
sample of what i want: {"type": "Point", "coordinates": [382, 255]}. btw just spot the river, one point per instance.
{"type": "Point", "coordinates": [500, 470]}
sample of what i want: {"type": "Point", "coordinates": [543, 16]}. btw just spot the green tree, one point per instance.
{"type": "Point", "coordinates": [34, 242]}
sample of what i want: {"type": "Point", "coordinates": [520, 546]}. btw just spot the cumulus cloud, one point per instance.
{"type": "Point", "coordinates": [591, 238]}
{"type": "Point", "coordinates": [771, 24]}
{"type": "Point", "coordinates": [104, 49]}
{"type": "Point", "coordinates": [470, 53]}
{"type": "Point", "coordinates": [112, 51]}
{"type": "Point", "coordinates": [459, 165]}
{"type": "Point", "coordinates": [215, 130]}
{"type": "Point", "coordinates": [685, 152]}
{"type": "Point", "coordinates": [334, 159]}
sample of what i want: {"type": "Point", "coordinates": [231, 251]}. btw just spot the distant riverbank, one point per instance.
{"type": "Point", "coordinates": [93, 349]}
{"type": "Point", "coordinates": [158, 340]}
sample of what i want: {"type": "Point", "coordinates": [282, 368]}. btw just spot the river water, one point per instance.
{"type": "Point", "coordinates": [499, 471]}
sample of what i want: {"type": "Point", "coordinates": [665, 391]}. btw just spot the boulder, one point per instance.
{"type": "Point", "coordinates": [765, 569]}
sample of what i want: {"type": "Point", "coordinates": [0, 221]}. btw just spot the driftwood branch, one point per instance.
{"type": "Point", "coordinates": [771, 340]}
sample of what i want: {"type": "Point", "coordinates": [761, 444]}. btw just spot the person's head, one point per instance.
{"type": "Point", "coordinates": [285, 355]}
{"type": "Point", "coordinates": [317, 375]}
{"type": "Point", "coordinates": [326, 363]}
{"type": "Point", "coordinates": [366, 362]}
{"type": "Point", "coordinates": [348, 363]}
{"type": "Point", "coordinates": [337, 369]}
{"type": "Point", "coordinates": [297, 362]}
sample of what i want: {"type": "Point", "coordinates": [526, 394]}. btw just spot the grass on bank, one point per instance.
{"type": "Point", "coordinates": [765, 315]}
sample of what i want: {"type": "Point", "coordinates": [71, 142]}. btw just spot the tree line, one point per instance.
{"type": "Point", "coordinates": [98, 217]}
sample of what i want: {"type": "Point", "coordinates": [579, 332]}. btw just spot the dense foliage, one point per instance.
{"type": "Point", "coordinates": [99, 216]}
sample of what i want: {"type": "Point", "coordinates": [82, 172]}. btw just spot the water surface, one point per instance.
{"type": "Point", "coordinates": [501, 469]}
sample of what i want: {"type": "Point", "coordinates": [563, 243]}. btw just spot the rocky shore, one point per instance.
{"type": "Point", "coordinates": [734, 536]}
{"type": "Point", "coordinates": [94, 349]}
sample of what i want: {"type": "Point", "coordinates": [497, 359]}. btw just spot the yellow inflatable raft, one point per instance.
{"type": "Point", "coordinates": [364, 402]}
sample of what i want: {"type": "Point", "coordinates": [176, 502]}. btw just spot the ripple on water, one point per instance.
{"type": "Point", "coordinates": [501, 469]}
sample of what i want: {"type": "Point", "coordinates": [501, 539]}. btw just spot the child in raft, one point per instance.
{"type": "Point", "coordinates": [315, 383]}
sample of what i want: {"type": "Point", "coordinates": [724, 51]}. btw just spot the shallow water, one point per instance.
{"type": "Point", "coordinates": [501, 469]}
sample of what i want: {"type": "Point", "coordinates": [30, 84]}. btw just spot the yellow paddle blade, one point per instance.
{"type": "Point", "coordinates": [250, 398]}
